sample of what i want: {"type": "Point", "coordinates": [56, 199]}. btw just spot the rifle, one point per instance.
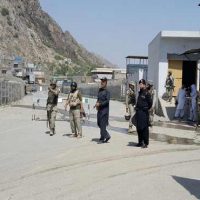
{"type": "Point", "coordinates": [48, 115]}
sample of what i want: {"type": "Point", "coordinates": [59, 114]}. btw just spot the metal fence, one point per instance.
{"type": "Point", "coordinates": [117, 89]}
{"type": "Point", "coordinates": [10, 91]}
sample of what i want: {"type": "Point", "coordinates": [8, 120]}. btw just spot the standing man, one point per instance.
{"type": "Point", "coordinates": [75, 103]}
{"type": "Point", "coordinates": [180, 101]}
{"type": "Point", "coordinates": [52, 102]}
{"type": "Point", "coordinates": [152, 93]}
{"type": "Point", "coordinates": [169, 84]}
{"type": "Point", "coordinates": [144, 103]}
{"type": "Point", "coordinates": [130, 103]}
{"type": "Point", "coordinates": [102, 106]}
{"type": "Point", "coordinates": [193, 106]}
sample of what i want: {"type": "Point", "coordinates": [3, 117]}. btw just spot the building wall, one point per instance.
{"type": "Point", "coordinates": [157, 53]}
{"type": "Point", "coordinates": [153, 61]}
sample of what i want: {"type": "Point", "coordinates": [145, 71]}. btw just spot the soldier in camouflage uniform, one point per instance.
{"type": "Point", "coordinates": [74, 101]}
{"type": "Point", "coordinates": [130, 103]}
{"type": "Point", "coordinates": [169, 84]}
{"type": "Point", "coordinates": [152, 92]}
{"type": "Point", "coordinates": [52, 101]}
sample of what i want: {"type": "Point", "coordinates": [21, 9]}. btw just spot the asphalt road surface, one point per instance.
{"type": "Point", "coordinates": [36, 166]}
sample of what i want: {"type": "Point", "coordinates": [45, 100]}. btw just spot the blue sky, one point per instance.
{"type": "Point", "coordinates": [117, 28]}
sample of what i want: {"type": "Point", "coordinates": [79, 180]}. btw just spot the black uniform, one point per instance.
{"type": "Point", "coordinates": [103, 112]}
{"type": "Point", "coordinates": [144, 103]}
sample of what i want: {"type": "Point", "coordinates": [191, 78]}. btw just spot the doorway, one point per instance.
{"type": "Point", "coordinates": [189, 73]}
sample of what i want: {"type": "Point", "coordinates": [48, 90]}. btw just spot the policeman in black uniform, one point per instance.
{"type": "Point", "coordinates": [144, 103]}
{"type": "Point", "coordinates": [102, 105]}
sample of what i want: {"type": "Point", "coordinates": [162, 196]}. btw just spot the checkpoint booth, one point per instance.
{"type": "Point", "coordinates": [136, 69]}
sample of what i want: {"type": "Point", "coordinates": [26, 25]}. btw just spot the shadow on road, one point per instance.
{"type": "Point", "coordinates": [112, 128]}
{"type": "Point", "coordinates": [67, 135]}
{"type": "Point", "coordinates": [191, 185]}
{"type": "Point", "coordinates": [132, 144]}
{"type": "Point", "coordinates": [96, 140]}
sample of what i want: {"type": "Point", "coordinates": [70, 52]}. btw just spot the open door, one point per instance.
{"type": "Point", "coordinates": [175, 66]}
{"type": "Point", "coordinates": [189, 73]}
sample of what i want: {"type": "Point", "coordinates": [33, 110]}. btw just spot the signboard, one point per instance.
{"type": "Point", "coordinates": [85, 100]}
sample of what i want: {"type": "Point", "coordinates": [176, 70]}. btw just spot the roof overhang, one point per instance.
{"type": "Point", "coordinates": [180, 34]}
{"type": "Point", "coordinates": [185, 57]}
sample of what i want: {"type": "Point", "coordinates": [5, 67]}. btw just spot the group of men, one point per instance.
{"type": "Point", "coordinates": [142, 109]}
{"type": "Point", "coordinates": [140, 112]}
{"type": "Point", "coordinates": [131, 101]}
{"type": "Point", "coordinates": [74, 101]}
{"type": "Point", "coordinates": [186, 97]}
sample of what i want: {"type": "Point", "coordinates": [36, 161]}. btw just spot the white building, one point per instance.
{"type": "Point", "coordinates": [165, 54]}
{"type": "Point", "coordinates": [98, 73]}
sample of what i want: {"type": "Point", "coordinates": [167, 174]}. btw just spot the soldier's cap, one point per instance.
{"type": "Point", "coordinates": [104, 79]}
{"type": "Point", "coordinates": [142, 81]}
{"type": "Point", "coordinates": [150, 82]}
{"type": "Point", "coordinates": [170, 72]}
{"type": "Point", "coordinates": [132, 83]}
{"type": "Point", "coordinates": [53, 82]}
{"type": "Point", "coordinates": [73, 84]}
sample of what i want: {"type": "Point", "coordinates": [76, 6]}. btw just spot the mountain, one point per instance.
{"type": "Point", "coordinates": [27, 31]}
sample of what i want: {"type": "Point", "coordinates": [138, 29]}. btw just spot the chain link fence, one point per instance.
{"type": "Point", "coordinates": [10, 91]}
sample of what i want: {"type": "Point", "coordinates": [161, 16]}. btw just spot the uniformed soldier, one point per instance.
{"type": "Point", "coordinates": [152, 92]}
{"type": "Point", "coordinates": [74, 101]}
{"type": "Point", "coordinates": [102, 106]}
{"type": "Point", "coordinates": [52, 101]}
{"type": "Point", "coordinates": [144, 103]}
{"type": "Point", "coordinates": [169, 84]}
{"type": "Point", "coordinates": [130, 103]}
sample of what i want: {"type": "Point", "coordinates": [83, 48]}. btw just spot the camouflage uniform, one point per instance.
{"type": "Point", "coordinates": [169, 84]}
{"type": "Point", "coordinates": [152, 93]}
{"type": "Point", "coordinates": [75, 102]}
{"type": "Point", "coordinates": [130, 103]}
{"type": "Point", "coordinates": [52, 101]}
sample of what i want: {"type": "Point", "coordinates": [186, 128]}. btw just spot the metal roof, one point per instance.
{"type": "Point", "coordinates": [138, 57]}
{"type": "Point", "coordinates": [192, 51]}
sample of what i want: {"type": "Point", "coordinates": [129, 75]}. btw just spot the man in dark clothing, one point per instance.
{"type": "Point", "coordinates": [144, 103]}
{"type": "Point", "coordinates": [102, 105]}
{"type": "Point", "coordinates": [52, 102]}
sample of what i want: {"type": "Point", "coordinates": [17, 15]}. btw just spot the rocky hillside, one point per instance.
{"type": "Point", "coordinates": [26, 30]}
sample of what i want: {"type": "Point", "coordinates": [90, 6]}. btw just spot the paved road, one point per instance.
{"type": "Point", "coordinates": [35, 166]}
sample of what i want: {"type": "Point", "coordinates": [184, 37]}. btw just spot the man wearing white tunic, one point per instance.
{"type": "Point", "coordinates": [181, 97]}
{"type": "Point", "coordinates": [193, 107]}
